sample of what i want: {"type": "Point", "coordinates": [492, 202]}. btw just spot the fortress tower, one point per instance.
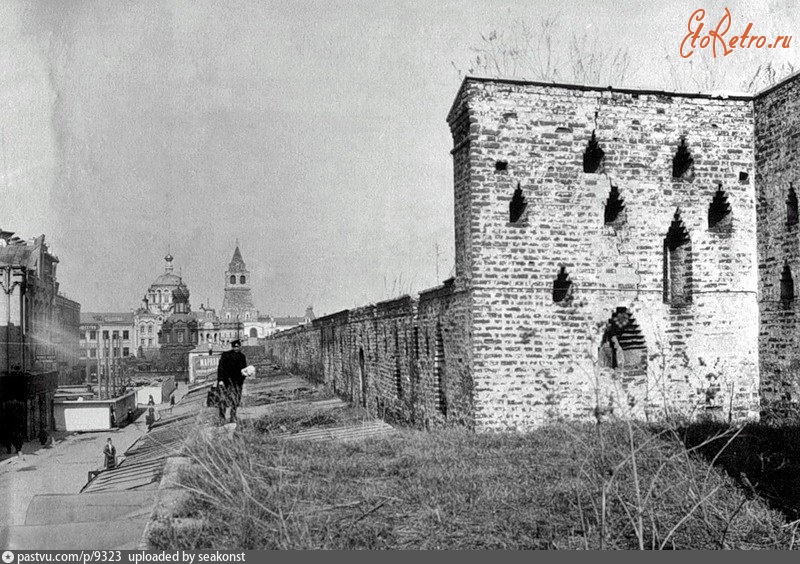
{"type": "Point", "coordinates": [237, 303]}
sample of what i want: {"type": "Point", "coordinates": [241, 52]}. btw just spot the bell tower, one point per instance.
{"type": "Point", "coordinates": [237, 303]}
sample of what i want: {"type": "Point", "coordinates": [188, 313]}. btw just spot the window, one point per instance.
{"type": "Point", "coordinates": [615, 208]}
{"type": "Point", "coordinates": [115, 334]}
{"type": "Point", "coordinates": [719, 213]}
{"type": "Point", "coordinates": [149, 329]}
{"type": "Point", "coordinates": [92, 353]}
{"type": "Point", "coordinates": [149, 342]}
{"type": "Point", "coordinates": [516, 208]}
{"type": "Point", "coordinates": [141, 329]}
{"type": "Point", "coordinates": [562, 287]}
{"type": "Point", "coordinates": [791, 207]}
{"type": "Point", "coordinates": [677, 264]}
{"type": "Point", "coordinates": [253, 332]}
{"type": "Point", "coordinates": [594, 156]}
{"type": "Point", "coordinates": [787, 284]}
{"type": "Point", "coordinates": [233, 279]}
{"type": "Point", "coordinates": [440, 399]}
{"type": "Point", "coordinates": [623, 346]}
{"type": "Point", "coordinates": [126, 335]}
{"type": "Point", "coordinates": [180, 336]}
{"type": "Point", "coordinates": [83, 353]}
{"type": "Point", "coordinates": [682, 162]}
{"type": "Point", "coordinates": [92, 335]}
{"type": "Point", "coordinates": [126, 351]}
{"type": "Point", "coordinates": [105, 335]}
{"type": "Point", "coordinates": [241, 280]}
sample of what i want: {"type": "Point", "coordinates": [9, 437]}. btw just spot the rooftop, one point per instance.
{"type": "Point", "coordinates": [107, 318]}
{"type": "Point", "coordinates": [714, 95]}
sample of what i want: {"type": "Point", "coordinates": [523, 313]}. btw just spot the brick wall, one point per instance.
{"type": "Point", "coordinates": [777, 136]}
{"type": "Point", "coordinates": [534, 359]}
{"type": "Point", "coordinates": [384, 357]}
{"type": "Point", "coordinates": [298, 350]}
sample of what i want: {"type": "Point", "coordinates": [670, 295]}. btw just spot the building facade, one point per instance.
{"type": "Point", "coordinates": [106, 339]}
{"type": "Point", "coordinates": [66, 340]}
{"type": "Point", "coordinates": [621, 252]}
{"type": "Point", "coordinates": [38, 334]}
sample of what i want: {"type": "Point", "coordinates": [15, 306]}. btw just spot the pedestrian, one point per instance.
{"type": "Point", "coordinates": [110, 453]}
{"type": "Point", "coordinates": [172, 400]}
{"type": "Point", "coordinates": [230, 379]}
{"type": "Point", "coordinates": [150, 419]}
{"type": "Point", "coordinates": [151, 401]}
{"type": "Point", "coordinates": [17, 440]}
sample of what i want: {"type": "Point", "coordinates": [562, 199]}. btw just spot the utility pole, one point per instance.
{"type": "Point", "coordinates": [99, 364]}
{"type": "Point", "coordinates": [114, 363]}
{"type": "Point", "coordinates": [106, 346]}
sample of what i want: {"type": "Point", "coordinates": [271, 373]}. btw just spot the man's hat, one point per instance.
{"type": "Point", "coordinates": [236, 342]}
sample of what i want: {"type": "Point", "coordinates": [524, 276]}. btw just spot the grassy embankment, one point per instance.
{"type": "Point", "coordinates": [612, 486]}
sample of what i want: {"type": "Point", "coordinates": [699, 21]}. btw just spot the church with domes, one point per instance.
{"type": "Point", "coordinates": [166, 329]}
{"type": "Point", "coordinates": [157, 305]}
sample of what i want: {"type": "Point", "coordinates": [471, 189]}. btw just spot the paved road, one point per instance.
{"type": "Point", "coordinates": [45, 509]}
{"type": "Point", "coordinates": [60, 469]}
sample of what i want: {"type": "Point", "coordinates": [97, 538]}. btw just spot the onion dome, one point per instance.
{"type": "Point", "coordinates": [180, 295]}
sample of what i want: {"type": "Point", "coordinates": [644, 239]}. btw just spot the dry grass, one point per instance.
{"type": "Point", "coordinates": [612, 486]}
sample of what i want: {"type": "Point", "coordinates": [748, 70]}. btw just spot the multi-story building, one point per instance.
{"type": "Point", "coordinates": [66, 339]}
{"type": "Point", "coordinates": [38, 338]}
{"type": "Point", "coordinates": [105, 338]}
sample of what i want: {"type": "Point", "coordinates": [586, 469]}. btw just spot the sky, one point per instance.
{"type": "Point", "coordinates": [313, 133]}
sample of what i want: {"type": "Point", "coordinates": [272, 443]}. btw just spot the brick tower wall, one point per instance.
{"type": "Point", "coordinates": [777, 145]}
{"type": "Point", "coordinates": [533, 359]}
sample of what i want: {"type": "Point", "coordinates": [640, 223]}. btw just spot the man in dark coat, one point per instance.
{"type": "Point", "coordinates": [230, 378]}
{"type": "Point", "coordinates": [110, 455]}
